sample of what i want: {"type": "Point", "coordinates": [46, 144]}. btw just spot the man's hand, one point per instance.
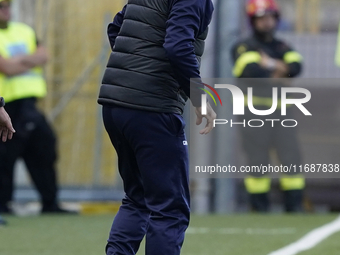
{"type": "Point", "coordinates": [211, 116]}
{"type": "Point", "coordinates": [21, 64]}
{"type": "Point", "coordinates": [39, 58]}
{"type": "Point", "coordinates": [279, 68]}
{"type": "Point", "coordinates": [267, 62]}
{"type": "Point", "coordinates": [6, 128]}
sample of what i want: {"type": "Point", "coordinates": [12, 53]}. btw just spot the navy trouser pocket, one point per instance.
{"type": "Point", "coordinates": [177, 124]}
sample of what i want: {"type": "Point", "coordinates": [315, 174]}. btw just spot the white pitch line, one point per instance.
{"type": "Point", "coordinates": [240, 231]}
{"type": "Point", "coordinates": [311, 239]}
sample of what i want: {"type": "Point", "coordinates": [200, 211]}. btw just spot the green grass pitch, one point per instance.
{"type": "Point", "coordinates": [247, 234]}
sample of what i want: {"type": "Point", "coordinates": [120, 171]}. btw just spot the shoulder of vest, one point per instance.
{"type": "Point", "coordinates": [244, 45]}
{"type": "Point", "coordinates": [284, 45]}
{"type": "Point", "coordinates": [23, 26]}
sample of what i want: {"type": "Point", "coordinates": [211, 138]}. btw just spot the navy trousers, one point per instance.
{"type": "Point", "coordinates": [153, 163]}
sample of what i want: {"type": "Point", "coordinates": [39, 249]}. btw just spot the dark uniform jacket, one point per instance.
{"type": "Point", "coordinates": [246, 55]}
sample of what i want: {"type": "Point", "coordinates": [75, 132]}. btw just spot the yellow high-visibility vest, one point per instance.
{"type": "Point", "coordinates": [258, 185]}
{"type": "Point", "coordinates": [337, 55]}
{"type": "Point", "coordinates": [19, 39]}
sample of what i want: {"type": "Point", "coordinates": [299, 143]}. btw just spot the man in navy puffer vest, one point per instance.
{"type": "Point", "coordinates": [156, 49]}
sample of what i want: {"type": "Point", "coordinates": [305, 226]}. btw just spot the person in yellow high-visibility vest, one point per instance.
{"type": "Point", "coordinates": [337, 55]}
{"type": "Point", "coordinates": [22, 83]}
{"type": "Point", "coordinates": [262, 55]}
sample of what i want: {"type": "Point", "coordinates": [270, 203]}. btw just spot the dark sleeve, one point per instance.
{"type": "Point", "coordinates": [182, 28]}
{"type": "Point", "coordinates": [294, 61]}
{"type": "Point", "coordinates": [114, 27]}
{"type": "Point", "coordinates": [294, 69]}
{"type": "Point", "coordinates": [254, 70]}
{"type": "Point", "coordinates": [246, 62]}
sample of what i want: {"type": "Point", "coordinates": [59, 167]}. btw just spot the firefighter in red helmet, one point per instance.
{"type": "Point", "coordinates": [258, 8]}
{"type": "Point", "coordinates": [262, 55]}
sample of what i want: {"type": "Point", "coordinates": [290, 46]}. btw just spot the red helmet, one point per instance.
{"type": "Point", "coordinates": [258, 8]}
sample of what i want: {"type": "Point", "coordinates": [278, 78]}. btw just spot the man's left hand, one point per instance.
{"type": "Point", "coordinates": [6, 128]}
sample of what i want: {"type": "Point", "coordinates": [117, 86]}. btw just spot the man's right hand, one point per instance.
{"type": "Point", "coordinates": [21, 64]}
{"type": "Point", "coordinates": [6, 128]}
{"type": "Point", "coordinates": [211, 116]}
{"type": "Point", "coordinates": [39, 58]}
{"type": "Point", "coordinates": [278, 67]}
